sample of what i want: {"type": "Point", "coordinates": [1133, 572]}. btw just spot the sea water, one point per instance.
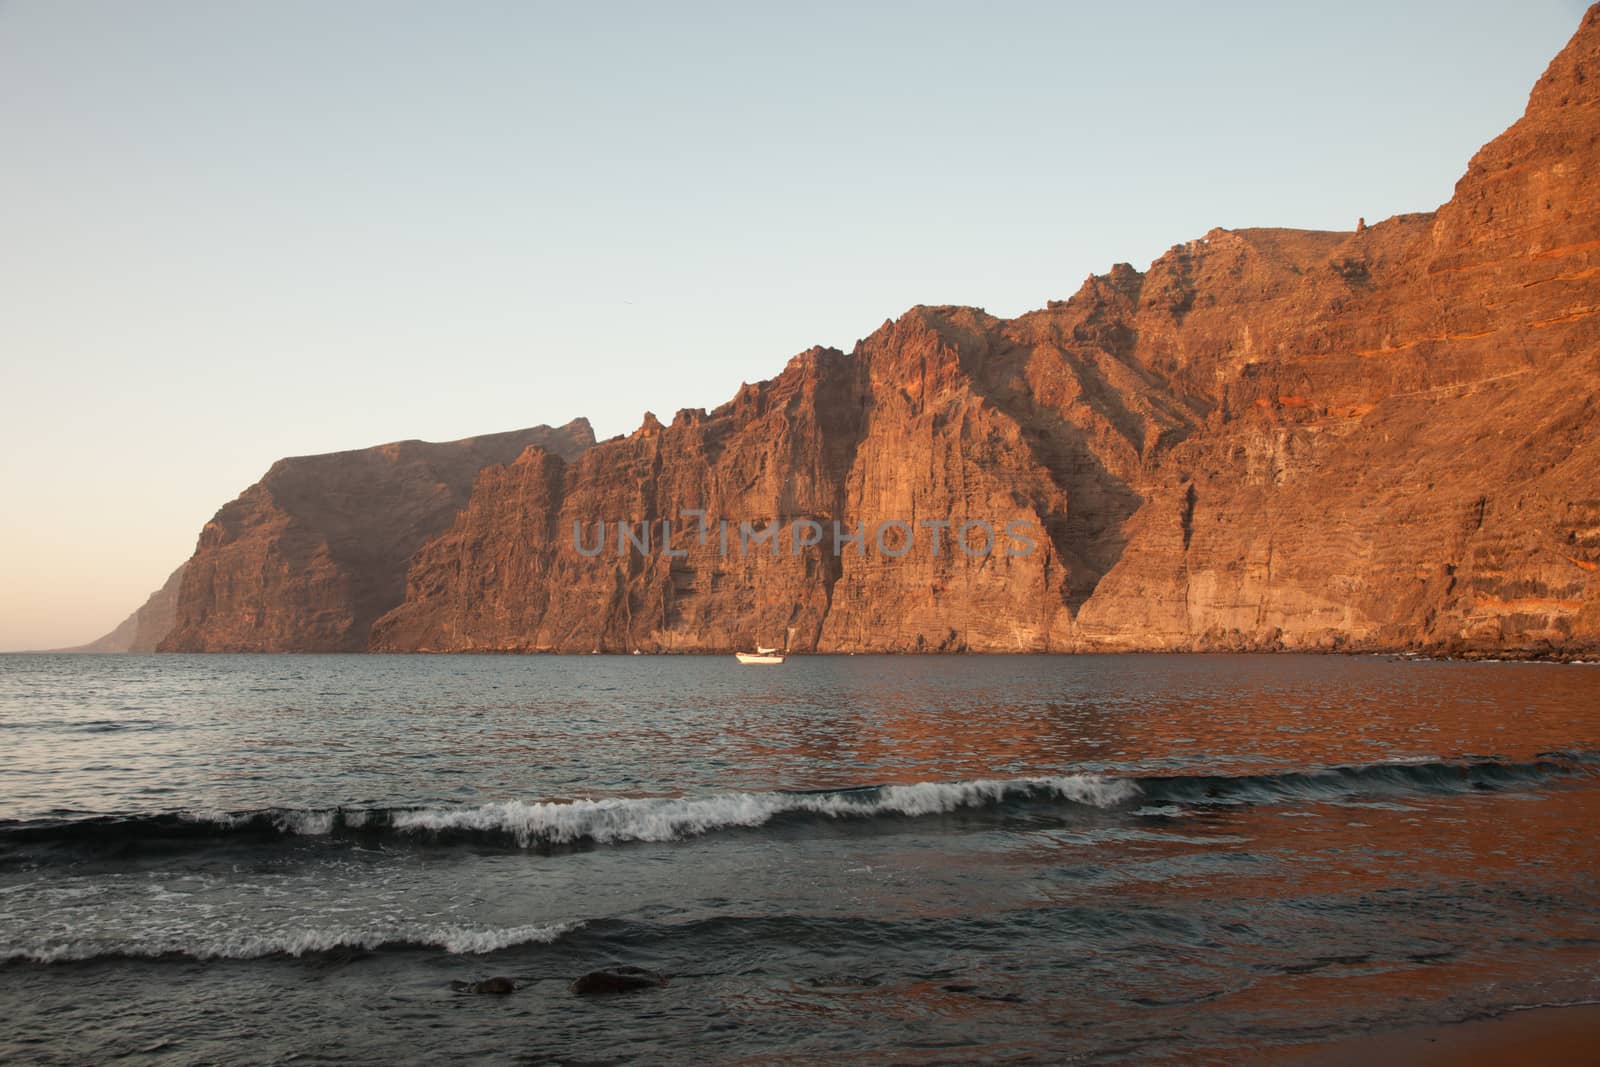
{"type": "Point", "coordinates": [254, 859]}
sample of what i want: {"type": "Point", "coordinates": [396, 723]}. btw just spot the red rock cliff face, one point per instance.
{"type": "Point", "coordinates": [1404, 424]}
{"type": "Point", "coordinates": [1270, 439]}
{"type": "Point", "coordinates": [507, 575]}
{"type": "Point", "coordinates": [307, 558]}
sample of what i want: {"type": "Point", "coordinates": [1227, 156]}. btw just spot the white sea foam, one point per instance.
{"type": "Point", "coordinates": [210, 816]}
{"type": "Point", "coordinates": [308, 823]}
{"type": "Point", "coordinates": [458, 940]}
{"type": "Point", "coordinates": [675, 818]}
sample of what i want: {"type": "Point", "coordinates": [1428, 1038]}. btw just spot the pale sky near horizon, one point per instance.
{"type": "Point", "coordinates": [231, 232]}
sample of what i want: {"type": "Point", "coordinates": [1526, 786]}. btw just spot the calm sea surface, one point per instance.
{"type": "Point", "coordinates": [909, 859]}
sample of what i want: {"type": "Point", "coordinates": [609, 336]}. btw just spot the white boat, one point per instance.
{"type": "Point", "coordinates": [766, 655]}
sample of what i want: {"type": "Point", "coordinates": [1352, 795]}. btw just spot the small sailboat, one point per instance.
{"type": "Point", "coordinates": [766, 655]}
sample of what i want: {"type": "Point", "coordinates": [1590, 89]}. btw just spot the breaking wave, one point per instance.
{"type": "Point", "coordinates": [671, 819]}
{"type": "Point", "coordinates": [549, 824]}
{"type": "Point", "coordinates": [457, 940]}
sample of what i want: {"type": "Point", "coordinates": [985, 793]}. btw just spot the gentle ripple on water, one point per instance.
{"type": "Point", "coordinates": [924, 858]}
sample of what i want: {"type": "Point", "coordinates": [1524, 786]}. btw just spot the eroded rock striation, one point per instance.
{"type": "Point", "coordinates": [1385, 438]}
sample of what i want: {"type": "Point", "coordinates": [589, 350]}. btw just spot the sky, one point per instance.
{"type": "Point", "coordinates": [231, 231]}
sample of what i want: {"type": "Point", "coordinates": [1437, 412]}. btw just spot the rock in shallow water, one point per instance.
{"type": "Point", "coordinates": [617, 980]}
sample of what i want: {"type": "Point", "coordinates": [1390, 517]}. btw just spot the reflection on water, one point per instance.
{"type": "Point", "coordinates": [149, 733]}
{"type": "Point", "coordinates": [1215, 902]}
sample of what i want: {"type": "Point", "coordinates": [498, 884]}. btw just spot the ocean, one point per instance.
{"type": "Point", "coordinates": [1154, 859]}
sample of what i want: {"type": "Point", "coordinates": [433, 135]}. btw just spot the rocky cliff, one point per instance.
{"type": "Point", "coordinates": [143, 630]}
{"type": "Point", "coordinates": [307, 558]}
{"type": "Point", "coordinates": [1382, 438]}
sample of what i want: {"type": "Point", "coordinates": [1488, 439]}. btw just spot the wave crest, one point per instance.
{"type": "Point", "coordinates": [670, 819]}
{"type": "Point", "coordinates": [543, 823]}
{"type": "Point", "coordinates": [456, 940]}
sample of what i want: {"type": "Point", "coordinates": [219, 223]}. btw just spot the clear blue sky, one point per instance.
{"type": "Point", "coordinates": [235, 231]}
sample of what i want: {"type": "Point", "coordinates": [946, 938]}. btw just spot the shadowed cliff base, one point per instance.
{"type": "Point", "coordinates": [1270, 439]}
